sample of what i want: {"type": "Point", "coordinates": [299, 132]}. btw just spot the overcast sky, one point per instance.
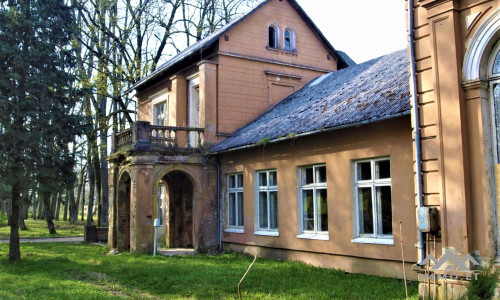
{"type": "Point", "coordinates": [364, 29]}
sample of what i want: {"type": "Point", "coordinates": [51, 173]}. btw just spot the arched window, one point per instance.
{"type": "Point", "coordinates": [494, 80]}
{"type": "Point", "coordinates": [273, 33]}
{"type": "Point", "coordinates": [289, 39]}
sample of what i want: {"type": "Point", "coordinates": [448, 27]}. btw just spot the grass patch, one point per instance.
{"type": "Point", "coordinates": [82, 271]}
{"type": "Point", "coordinates": [38, 229]}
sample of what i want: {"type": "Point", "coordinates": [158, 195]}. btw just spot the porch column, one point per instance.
{"type": "Point", "coordinates": [141, 209]}
{"type": "Point", "coordinates": [177, 102]}
{"type": "Point", "coordinates": [208, 100]}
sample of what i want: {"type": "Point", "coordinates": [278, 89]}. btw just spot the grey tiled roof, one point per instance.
{"type": "Point", "coordinates": [214, 36]}
{"type": "Point", "coordinates": [373, 90]}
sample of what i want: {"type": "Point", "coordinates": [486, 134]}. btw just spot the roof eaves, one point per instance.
{"type": "Point", "coordinates": [364, 122]}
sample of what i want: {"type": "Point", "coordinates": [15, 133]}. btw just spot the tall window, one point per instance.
{"type": "Point", "coordinates": [267, 191]}
{"type": "Point", "coordinates": [160, 110]}
{"type": "Point", "coordinates": [289, 39]}
{"type": "Point", "coordinates": [273, 35]}
{"type": "Point", "coordinates": [161, 200]}
{"type": "Point", "coordinates": [373, 197]}
{"type": "Point", "coordinates": [314, 209]}
{"type": "Point", "coordinates": [235, 200]}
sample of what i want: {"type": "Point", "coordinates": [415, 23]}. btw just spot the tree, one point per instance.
{"type": "Point", "coordinates": [36, 100]}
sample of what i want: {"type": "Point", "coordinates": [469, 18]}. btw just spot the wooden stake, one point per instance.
{"type": "Point", "coordinates": [403, 256]}
{"type": "Point", "coordinates": [243, 278]}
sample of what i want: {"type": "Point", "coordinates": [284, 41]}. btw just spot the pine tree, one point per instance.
{"type": "Point", "coordinates": [36, 100]}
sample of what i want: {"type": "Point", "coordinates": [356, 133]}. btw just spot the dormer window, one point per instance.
{"type": "Point", "coordinates": [289, 39]}
{"type": "Point", "coordinates": [273, 33]}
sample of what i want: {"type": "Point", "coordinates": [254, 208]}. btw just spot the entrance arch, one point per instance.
{"type": "Point", "coordinates": [123, 213]}
{"type": "Point", "coordinates": [179, 210]}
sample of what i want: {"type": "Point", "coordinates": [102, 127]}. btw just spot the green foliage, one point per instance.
{"type": "Point", "coordinates": [484, 286]}
{"type": "Point", "coordinates": [264, 141]}
{"type": "Point", "coordinates": [82, 271]}
{"type": "Point", "coordinates": [38, 229]}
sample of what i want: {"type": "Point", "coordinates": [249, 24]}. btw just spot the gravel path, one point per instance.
{"type": "Point", "coordinates": [74, 239]}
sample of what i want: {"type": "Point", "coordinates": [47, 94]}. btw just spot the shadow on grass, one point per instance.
{"type": "Point", "coordinates": [88, 269]}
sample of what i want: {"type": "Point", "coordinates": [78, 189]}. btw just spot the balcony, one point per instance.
{"type": "Point", "coordinates": [165, 139]}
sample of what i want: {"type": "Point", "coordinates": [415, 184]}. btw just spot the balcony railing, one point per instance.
{"type": "Point", "coordinates": [143, 136]}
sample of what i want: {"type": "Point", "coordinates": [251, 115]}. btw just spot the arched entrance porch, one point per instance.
{"type": "Point", "coordinates": [178, 204]}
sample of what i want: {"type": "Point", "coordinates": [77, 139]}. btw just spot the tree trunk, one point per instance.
{"type": "Point", "coordinates": [14, 247]}
{"type": "Point", "coordinates": [35, 205]}
{"type": "Point", "coordinates": [83, 197]}
{"type": "Point", "coordinates": [40, 207]}
{"type": "Point", "coordinates": [48, 212]}
{"type": "Point", "coordinates": [23, 215]}
{"type": "Point", "coordinates": [66, 203]}
{"type": "Point", "coordinates": [58, 205]}
{"type": "Point", "coordinates": [90, 208]}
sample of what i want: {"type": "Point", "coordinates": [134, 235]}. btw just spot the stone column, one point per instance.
{"type": "Point", "coordinates": [177, 105]}
{"type": "Point", "coordinates": [141, 209]}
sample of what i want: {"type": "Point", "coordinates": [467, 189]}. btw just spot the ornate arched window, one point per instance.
{"type": "Point", "coordinates": [289, 39]}
{"type": "Point", "coordinates": [494, 81]}
{"type": "Point", "coordinates": [273, 36]}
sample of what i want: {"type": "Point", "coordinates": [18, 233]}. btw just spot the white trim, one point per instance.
{"type": "Point", "coordinates": [234, 230]}
{"type": "Point", "coordinates": [372, 183]}
{"type": "Point", "coordinates": [277, 35]}
{"type": "Point", "coordinates": [268, 189]}
{"type": "Point", "coordinates": [312, 236]}
{"type": "Point", "coordinates": [267, 233]}
{"type": "Point", "coordinates": [157, 99]}
{"type": "Point", "coordinates": [488, 32]}
{"type": "Point", "coordinates": [314, 187]}
{"type": "Point", "coordinates": [236, 190]}
{"type": "Point", "coordinates": [158, 94]}
{"type": "Point", "coordinates": [293, 43]}
{"type": "Point", "coordinates": [379, 241]}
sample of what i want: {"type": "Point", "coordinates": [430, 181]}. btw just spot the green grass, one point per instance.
{"type": "Point", "coordinates": [38, 229]}
{"type": "Point", "coordinates": [82, 271]}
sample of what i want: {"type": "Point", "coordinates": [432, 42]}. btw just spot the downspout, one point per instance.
{"type": "Point", "coordinates": [416, 125]}
{"type": "Point", "coordinates": [219, 221]}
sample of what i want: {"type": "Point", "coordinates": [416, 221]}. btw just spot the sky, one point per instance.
{"type": "Point", "coordinates": [364, 29]}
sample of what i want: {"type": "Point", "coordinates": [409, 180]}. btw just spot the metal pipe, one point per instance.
{"type": "Point", "coordinates": [219, 221]}
{"type": "Point", "coordinates": [416, 125]}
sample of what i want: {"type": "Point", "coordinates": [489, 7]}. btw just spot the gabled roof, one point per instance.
{"type": "Point", "coordinates": [214, 37]}
{"type": "Point", "coordinates": [375, 90]}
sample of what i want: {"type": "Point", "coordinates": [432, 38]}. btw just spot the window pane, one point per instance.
{"type": "Point", "coordinates": [263, 210]}
{"type": "Point", "coordinates": [322, 210]}
{"type": "Point", "coordinates": [272, 40]}
{"type": "Point", "coordinates": [240, 180]}
{"type": "Point", "coordinates": [240, 209]}
{"type": "Point", "coordinates": [273, 206]}
{"type": "Point", "coordinates": [262, 179]}
{"type": "Point", "coordinates": [383, 169]}
{"type": "Point", "coordinates": [232, 182]}
{"type": "Point", "coordinates": [273, 181]}
{"type": "Point", "coordinates": [496, 65]}
{"type": "Point", "coordinates": [287, 40]}
{"type": "Point", "coordinates": [308, 176]}
{"type": "Point", "coordinates": [321, 174]}
{"type": "Point", "coordinates": [365, 211]}
{"type": "Point", "coordinates": [232, 209]}
{"type": "Point", "coordinates": [364, 171]}
{"type": "Point", "coordinates": [308, 210]}
{"type": "Point", "coordinates": [384, 200]}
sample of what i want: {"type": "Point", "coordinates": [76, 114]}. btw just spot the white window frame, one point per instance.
{"type": "Point", "coordinates": [160, 98]}
{"type": "Point", "coordinates": [292, 39]}
{"type": "Point", "coordinates": [373, 183]}
{"type": "Point", "coordinates": [268, 189]}
{"type": "Point", "coordinates": [237, 190]}
{"type": "Point", "coordinates": [315, 186]}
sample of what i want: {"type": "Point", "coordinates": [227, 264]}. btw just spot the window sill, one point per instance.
{"type": "Point", "coordinates": [234, 230]}
{"type": "Point", "coordinates": [267, 233]}
{"type": "Point", "coordinates": [314, 236]}
{"type": "Point", "coordinates": [377, 241]}
{"type": "Point", "coordinates": [293, 52]}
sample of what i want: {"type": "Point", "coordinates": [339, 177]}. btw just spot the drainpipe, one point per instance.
{"type": "Point", "coordinates": [416, 125]}
{"type": "Point", "coordinates": [219, 221]}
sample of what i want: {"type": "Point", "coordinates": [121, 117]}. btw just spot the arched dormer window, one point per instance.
{"type": "Point", "coordinates": [273, 36]}
{"type": "Point", "coordinates": [289, 39]}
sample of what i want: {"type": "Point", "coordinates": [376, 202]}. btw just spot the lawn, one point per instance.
{"type": "Point", "coordinates": [38, 229]}
{"type": "Point", "coordinates": [83, 271]}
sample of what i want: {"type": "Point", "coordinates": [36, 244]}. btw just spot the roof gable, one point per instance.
{"type": "Point", "coordinates": [214, 37]}
{"type": "Point", "coordinates": [376, 89]}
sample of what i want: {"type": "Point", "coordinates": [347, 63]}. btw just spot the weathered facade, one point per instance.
{"type": "Point", "coordinates": [456, 52]}
{"type": "Point", "coordinates": [159, 167]}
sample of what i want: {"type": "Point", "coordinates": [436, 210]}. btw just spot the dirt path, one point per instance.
{"type": "Point", "coordinates": [74, 239]}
